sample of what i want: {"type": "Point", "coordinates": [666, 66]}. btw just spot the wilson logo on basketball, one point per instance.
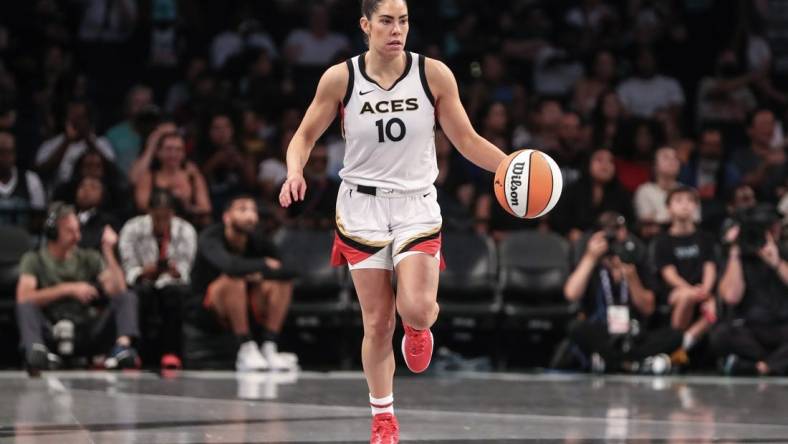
{"type": "Point", "coordinates": [528, 184]}
{"type": "Point", "coordinates": [517, 174]}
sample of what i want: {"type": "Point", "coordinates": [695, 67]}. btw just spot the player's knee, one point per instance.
{"type": "Point", "coordinates": [379, 328]}
{"type": "Point", "coordinates": [420, 314]}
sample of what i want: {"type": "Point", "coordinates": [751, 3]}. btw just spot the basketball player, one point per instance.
{"type": "Point", "coordinates": [389, 101]}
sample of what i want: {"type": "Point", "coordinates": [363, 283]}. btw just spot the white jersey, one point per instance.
{"type": "Point", "coordinates": [389, 133]}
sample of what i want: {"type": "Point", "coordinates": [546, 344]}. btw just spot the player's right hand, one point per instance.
{"type": "Point", "coordinates": [293, 190]}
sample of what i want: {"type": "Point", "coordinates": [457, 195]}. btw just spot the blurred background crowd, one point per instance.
{"type": "Point", "coordinates": [103, 102]}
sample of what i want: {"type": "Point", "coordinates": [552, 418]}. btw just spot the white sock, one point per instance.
{"type": "Point", "coordinates": [688, 341]}
{"type": "Point", "coordinates": [382, 405]}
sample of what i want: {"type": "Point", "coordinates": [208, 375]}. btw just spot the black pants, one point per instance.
{"type": "Point", "coordinates": [93, 335]}
{"type": "Point", "coordinates": [161, 311]}
{"type": "Point", "coordinates": [593, 337]}
{"type": "Point", "coordinates": [753, 342]}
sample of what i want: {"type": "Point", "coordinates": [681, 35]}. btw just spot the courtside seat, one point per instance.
{"type": "Point", "coordinates": [317, 323]}
{"type": "Point", "coordinates": [14, 242]}
{"type": "Point", "coordinates": [318, 288]}
{"type": "Point", "coordinates": [467, 290]}
{"type": "Point", "coordinates": [533, 268]}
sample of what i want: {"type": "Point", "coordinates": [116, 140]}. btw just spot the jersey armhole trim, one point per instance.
{"type": "Point", "coordinates": [423, 77]}
{"type": "Point", "coordinates": [350, 81]}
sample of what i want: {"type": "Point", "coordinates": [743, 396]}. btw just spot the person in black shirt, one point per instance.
{"type": "Point", "coordinates": [237, 270]}
{"type": "Point", "coordinates": [614, 291]}
{"type": "Point", "coordinates": [755, 283]}
{"type": "Point", "coordinates": [684, 258]}
{"type": "Point", "coordinates": [595, 192]}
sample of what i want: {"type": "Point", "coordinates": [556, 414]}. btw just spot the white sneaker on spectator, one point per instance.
{"type": "Point", "coordinates": [276, 360]}
{"type": "Point", "coordinates": [249, 358]}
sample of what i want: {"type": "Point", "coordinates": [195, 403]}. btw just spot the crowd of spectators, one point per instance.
{"type": "Point", "coordinates": [666, 117]}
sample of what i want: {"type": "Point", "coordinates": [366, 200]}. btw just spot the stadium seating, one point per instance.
{"type": "Point", "coordinates": [15, 242]}
{"type": "Point", "coordinates": [533, 269]}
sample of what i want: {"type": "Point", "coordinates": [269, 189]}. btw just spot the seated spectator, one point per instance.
{"type": "Point", "coordinates": [555, 71]}
{"type": "Point", "coordinates": [57, 156]}
{"type": "Point", "coordinates": [596, 192]}
{"type": "Point", "coordinates": [650, 198]}
{"type": "Point", "coordinates": [684, 258]}
{"type": "Point", "coordinates": [255, 134]}
{"type": "Point", "coordinates": [170, 171]}
{"type": "Point", "coordinates": [649, 92]}
{"type": "Point", "coordinates": [606, 119]}
{"type": "Point", "coordinates": [546, 125]}
{"type": "Point", "coordinates": [60, 285]}
{"type": "Point", "coordinates": [494, 86]}
{"type": "Point", "coordinates": [762, 166]}
{"type": "Point", "coordinates": [229, 43]}
{"type": "Point", "coordinates": [227, 170]}
{"type": "Point", "coordinates": [145, 160]}
{"type": "Point", "coordinates": [89, 201]}
{"type": "Point", "coordinates": [573, 141]}
{"type": "Point", "coordinates": [127, 136]}
{"type": "Point", "coordinates": [318, 209]}
{"type": "Point", "coordinates": [726, 97]}
{"type": "Point", "coordinates": [116, 195]}
{"type": "Point", "coordinates": [21, 193]}
{"type": "Point", "coordinates": [318, 45]}
{"type": "Point", "coordinates": [754, 282]}
{"type": "Point", "coordinates": [157, 251]}
{"type": "Point", "coordinates": [634, 147]}
{"type": "Point", "coordinates": [612, 286]}
{"type": "Point", "coordinates": [235, 264]}
{"type": "Point", "coordinates": [712, 175]}
{"type": "Point", "coordinates": [707, 171]}
{"type": "Point", "coordinates": [589, 89]}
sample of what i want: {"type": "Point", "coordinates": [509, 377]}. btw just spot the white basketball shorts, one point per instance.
{"type": "Point", "coordinates": [378, 227]}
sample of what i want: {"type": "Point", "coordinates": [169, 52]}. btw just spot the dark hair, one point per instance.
{"type": "Point", "coordinates": [161, 198]}
{"type": "Point", "coordinates": [682, 189]}
{"type": "Point", "coordinates": [155, 164]}
{"type": "Point", "coordinates": [237, 197]}
{"type": "Point", "coordinates": [369, 7]}
{"type": "Point", "coordinates": [754, 113]}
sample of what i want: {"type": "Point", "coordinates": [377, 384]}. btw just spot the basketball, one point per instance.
{"type": "Point", "coordinates": [528, 184]}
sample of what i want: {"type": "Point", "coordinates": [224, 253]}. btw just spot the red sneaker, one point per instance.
{"type": "Point", "coordinates": [171, 362]}
{"type": "Point", "coordinates": [385, 429]}
{"type": "Point", "coordinates": [417, 348]}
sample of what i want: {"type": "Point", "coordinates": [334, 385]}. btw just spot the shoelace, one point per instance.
{"type": "Point", "coordinates": [417, 340]}
{"type": "Point", "coordinates": [384, 426]}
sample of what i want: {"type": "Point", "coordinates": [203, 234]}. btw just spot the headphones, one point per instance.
{"type": "Point", "coordinates": [57, 210]}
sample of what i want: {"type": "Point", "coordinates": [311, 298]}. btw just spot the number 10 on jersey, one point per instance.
{"type": "Point", "coordinates": [387, 130]}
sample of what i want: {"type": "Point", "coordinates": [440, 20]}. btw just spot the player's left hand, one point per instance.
{"type": "Point", "coordinates": [293, 190]}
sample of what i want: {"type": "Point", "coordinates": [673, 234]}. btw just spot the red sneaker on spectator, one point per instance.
{"type": "Point", "coordinates": [171, 362]}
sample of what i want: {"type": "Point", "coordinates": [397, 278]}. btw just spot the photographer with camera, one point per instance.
{"type": "Point", "coordinates": [755, 283]}
{"type": "Point", "coordinates": [612, 286]}
{"type": "Point", "coordinates": [157, 251]}
{"type": "Point", "coordinates": [684, 258]}
{"type": "Point", "coordinates": [68, 286]}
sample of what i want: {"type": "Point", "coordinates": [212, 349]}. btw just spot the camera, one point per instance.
{"type": "Point", "coordinates": [627, 250]}
{"type": "Point", "coordinates": [753, 225]}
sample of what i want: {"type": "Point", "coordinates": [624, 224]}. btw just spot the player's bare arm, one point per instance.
{"type": "Point", "coordinates": [454, 120]}
{"type": "Point", "coordinates": [321, 112]}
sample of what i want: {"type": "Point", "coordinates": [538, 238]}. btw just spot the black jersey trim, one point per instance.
{"type": "Point", "coordinates": [423, 77]}
{"type": "Point", "coordinates": [350, 80]}
{"type": "Point", "coordinates": [362, 66]}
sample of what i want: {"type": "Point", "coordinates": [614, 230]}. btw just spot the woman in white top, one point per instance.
{"type": "Point", "coordinates": [389, 101]}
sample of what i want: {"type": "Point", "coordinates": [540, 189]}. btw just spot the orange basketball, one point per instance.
{"type": "Point", "coordinates": [528, 184]}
